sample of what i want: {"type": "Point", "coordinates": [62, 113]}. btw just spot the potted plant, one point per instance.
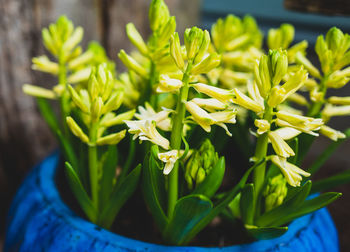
{"type": "Point", "coordinates": [171, 99]}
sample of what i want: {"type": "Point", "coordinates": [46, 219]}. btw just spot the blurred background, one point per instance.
{"type": "Point", "coordinates": [24, 137]}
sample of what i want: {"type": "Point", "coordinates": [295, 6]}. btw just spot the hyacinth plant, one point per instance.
{"type": "Point", "coordinates": [172, 98]}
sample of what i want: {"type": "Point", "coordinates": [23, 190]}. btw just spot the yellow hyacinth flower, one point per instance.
{"type": "Point", "coordinates": [281, 148]}
{"type": "Point", "coordinates": [146, 130]}
{"type": "Point", "coordinates": [169, 158]}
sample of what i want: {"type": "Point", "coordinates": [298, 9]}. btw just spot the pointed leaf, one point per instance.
{"type": "Point", "coordinates": [308, 207]}
{"type": "Point", "coordinates": [221, 205]}
{"type": "Point", "coordinates": [268, 218]}
{"type": "Point", "coordinates": [213, 180]}
{"type": "Point", "coordinates": [109, 165]}
{"type": "Point", "coordinates": [80, 193]}
{"type": "Point", "coordinates": [153, 188]}
{"type": "Point", "coordinates": [247, 204]}
{"type": "Point", "coordinates": [264, 233]}
{"type": "Point", "coordinates": [50, 118]}
{"type": "Point", "coordinates": [121, 193]}
{"type": "Point", "coordinates": [188, 212]}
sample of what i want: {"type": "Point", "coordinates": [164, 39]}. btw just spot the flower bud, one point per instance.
{"type": "Point", "coordinates": [262, 125]}
{"type": "Point", "coordinates": [158, 14]}
{"type": "Point", "coordinates": [331, 133]}
{"type": "Point", "coordinates": [204, 47]}
{"type": "Point", "coordinates": [166, 32]}
{"type": "Point", "coordinates": [208, 63]}
{"type": "Point", "coordinates": [73, 40]}
{"type": "Point", "coordinates": [292, 173]}
{"type": "Point", "coordinates": [220, 94]}
{"type": "Point", "coordinates": [132, 64]}
{"type": "Point", "coordinates": [302, 60]}
{"type": "Point", "coordinates": [246, 102]}
{"type": "Point", "coordinates": [334, 38]}
{"type": "Point", "coordinates": [200, 116]}
{"type": "Point", "coordinates": [136, 39]}
{"type": "Point", "coordinates": [193, 38]}
{"type": "Point", "coordinates": [77, 100]}
{"type": "Point", "coordinates": [264, 78]}
{"type": "Point", "coordinates": [175, 51]}
{"type": "Point", "coordinates": [200, 164]}
{"type": "Point", "coordinates": [275, 192]}
{"type": "Point", "coordinates": [119, 119]}
{"type": "Point", "coordinates": [79, 76]}
{"type": "Point", "coordinates": [167, 84]}
{"type": "Point", "coordinates": [281, 148]}
{"type": "Point", "coordinates": [210, 104]}
{"type": "Point", "coordinates": [39, 91]}
{"type": "Point", "coordinates": [114, 102]}
{"type": "Point", "coordinates": [49, 42]}
{"type": "Point", "coordinates": [339, 100]}
{"type": "Point", "coordinates": [76, 130]}
{"type": "Point", "coordinates": [96, 109]}
{"type": "Point", "coordinates": [111, 139]}
{"type": "Point", "coordinates": [279, 65]}
{"type": "Point", "coordinates": [93, 86]}
{"type": "Point", "coordinates": [43, 64]}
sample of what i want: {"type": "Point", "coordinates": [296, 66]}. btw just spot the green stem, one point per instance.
{"type": "Point", "coordinates": [93, 163]}
{"type": "Point", "coordinates": [64, 102]}
{"type": "Point", "coordinates": [260, 152]}
{"type": "Point", "coordinates": [175, 139]}
{"type": "Point", "coordinates": [152, 81]}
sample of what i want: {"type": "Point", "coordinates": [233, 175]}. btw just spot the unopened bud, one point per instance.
{"type": "Point", "coordinates": [175, 51]}
{"type": "Point", "coordinates": [158, 14]}
{"type": "Point", "coordinates": [136, 39]}
{"type": "Point", "coordinates": [132, 64]}
{"type": "Point", "coordinates": [111, 139]}
{"type": "Point", "coordinates": [76, 130]}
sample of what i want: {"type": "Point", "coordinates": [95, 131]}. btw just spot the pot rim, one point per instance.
{"type": "Point", "coordinates": [46, 172]}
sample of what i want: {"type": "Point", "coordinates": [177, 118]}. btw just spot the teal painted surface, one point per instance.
{"type": "Point", "coordinates": [271, 13]}
{"type": "Point", "coordinates": [39, 221]}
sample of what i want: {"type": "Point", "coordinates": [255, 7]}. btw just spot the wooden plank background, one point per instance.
{"type": "Point", "coordinates": [24, 137]}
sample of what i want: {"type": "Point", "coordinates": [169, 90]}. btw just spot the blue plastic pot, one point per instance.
{"type": "Point", "coordinates": [39, 221]}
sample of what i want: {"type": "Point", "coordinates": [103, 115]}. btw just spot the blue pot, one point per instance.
{"type": "Point", "coordinates": [40, 221]}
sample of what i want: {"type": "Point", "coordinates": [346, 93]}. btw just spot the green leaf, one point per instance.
{"type": "Point", "coordinates": [153, 188]}
{"type": "Point", "coordinates": [247, 204]}
{"type": "Point", "coordinates": [213, 180]}
{"type": "Point", "coordinates": [50, 118]}
{"type": "Point", "coordinates": [129, 159]}
{"type": "Point", "coordinates": [220, 206]}
{"type": "Point", "coordinates": [269, 218]}
{"type": "Point", "coordinates": [264, 233]}
{"type": "Point", "coordinates": [305, 142]}
{"type": "Point", "coordinates": [121, 193]}
{"type": "Point", "coordinates": [80, 193]}
{"type": "Point", "coordinates": [295, 146]}
{"type": "Point", "coordinates": [188, 212]}
{"type": "Point", "coordinates": [109, 166]}
{"type": "Point", "coordinates": [308, 207]}
{"type": "Point", "coordinates": [328, 183]}
{"type": "Point", "coordinates": [327, 153]}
